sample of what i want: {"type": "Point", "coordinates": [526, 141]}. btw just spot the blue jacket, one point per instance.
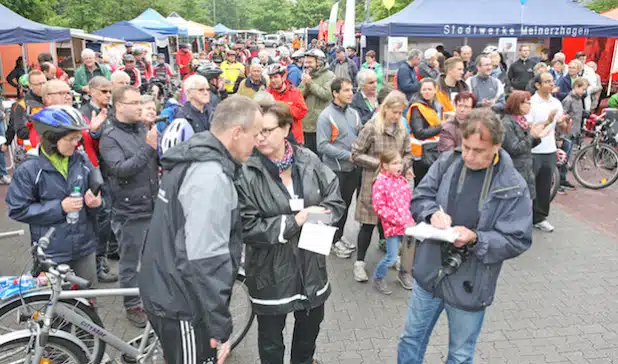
{"type": "Point", "coordinates": [566, 85]}
{"type": "Point", "coordinates": [294, 74]}
{"type": "Point", "coordinates": [34, 198]}
{"type": "Point", "coordinates": [504, 231]}
{"type": "Point", "coordinates": [407, 82]}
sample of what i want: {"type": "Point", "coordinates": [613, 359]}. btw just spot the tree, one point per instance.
{"type": "Point", "coordinates": [307, 13]}
{"type": "Point", "coordinates": [35, 10]}
{"type": "Point", "coordinates": [378, 11]}
{"type": "Point", "coordinates": [602, 5]}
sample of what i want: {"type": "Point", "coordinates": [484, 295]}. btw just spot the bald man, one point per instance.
{"type": "Point", "coordinates": [120, 78]}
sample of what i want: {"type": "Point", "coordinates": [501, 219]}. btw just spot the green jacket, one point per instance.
{"type": "Point", "coordinates": [317, 96]}
{"type": "Point", "coordinates": [83, 76]}
{"type": "Point", "coordinates": [379, 73]}
{"type": "Point", "coordinates": [613, 101]}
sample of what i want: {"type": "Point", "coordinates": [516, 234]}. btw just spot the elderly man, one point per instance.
{"type": "Point", "coordinates": [89, 69]}
{"type": "Point", "coordinates": [49, 70]}
{"type": "Point", "coordinates": [469, 65]}
{"type": "Point", "coordinates": [365, 101]}
{"type": "Point", "coordinates": [120, 78]}
{"type": "Point", "coordinates": [56, 92]}
{"type": "Point", "coordinates": [197, 110]}
{"type": "Point", "coordinates": [489, 91]}
{"type": "Point", "coordinates": [499, 229]}
{"type": "Point", "coordinates": [343, 67]}
{"type": "Point", "coordinates": [254, 83]}
{"type": "Point", "coordinates": [429, 67]}
{"type": "Point", "coordinates": [565, 84]}
{"type": "Point", "coordinates": [407, 79]}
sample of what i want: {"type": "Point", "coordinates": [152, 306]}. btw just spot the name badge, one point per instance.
{"type": "Point", "coordinates": [297, 204]}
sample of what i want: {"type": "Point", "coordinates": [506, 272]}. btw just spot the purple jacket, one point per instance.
{"type": "Point", "coordinates": [450, 136]}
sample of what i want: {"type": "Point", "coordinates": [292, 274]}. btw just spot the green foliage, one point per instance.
{"type": "Point", "coordinates": [378, 11]}
{"type": "Point", "coordinates": [602, 5]}
{"type": "Point", "coordinates": [38, 10]}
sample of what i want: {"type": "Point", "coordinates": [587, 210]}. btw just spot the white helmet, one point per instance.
{"type": "Point", "coordinates": [177, 132]}
{"type": "Point", "coordinates": [284, 52]}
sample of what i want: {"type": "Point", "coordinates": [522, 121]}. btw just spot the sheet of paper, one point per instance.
{"type": "Point", "coordinates": [317, 238]}
{"type": "Point", "coordinates": [424, 231]}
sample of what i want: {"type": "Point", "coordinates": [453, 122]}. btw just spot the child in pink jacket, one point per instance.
{"type": "Point", "coordinates": [391, 196]}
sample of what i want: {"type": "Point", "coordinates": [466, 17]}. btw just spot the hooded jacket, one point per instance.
{"type": "Point", "coordinates": [294, 74]}
{"type": "Point", "coordinates": [317, 96]}
{"type": "Point", "coordinates": [281, 277]}
{"type": "Point", "coordinates": [193, 246]}
{"type": "Point", "coordinates": [294, 99]}
{"type": "Point", "coordinates": [390, 197]}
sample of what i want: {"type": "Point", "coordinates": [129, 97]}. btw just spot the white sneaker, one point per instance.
{"type": "Point", "coordinates": [544, 226]}
{"type": "Point", "coordinates": [347, 244]}
{"type": "Point", "coordinates": [5, 180]}
{"type": "Point", "coordinates": [341, 251]}
{"type": "Point", "coordinates": [360, 275]}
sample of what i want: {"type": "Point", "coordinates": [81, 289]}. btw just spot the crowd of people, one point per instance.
{"type": "Point", "coordinates": [260, 146]}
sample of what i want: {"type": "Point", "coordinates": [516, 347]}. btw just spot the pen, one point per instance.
{"type": "Point", "coordinates": [441, 209]}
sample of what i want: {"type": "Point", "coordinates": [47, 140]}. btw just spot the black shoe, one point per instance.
{"type": "Point", "coordinates": [113, 256]}
{"type": "Point", "coordinates": [137, 317]}
{"type": "Point", "coordinates": [107, 277]}
{"type": "Point", "coordinates": [567, 184]}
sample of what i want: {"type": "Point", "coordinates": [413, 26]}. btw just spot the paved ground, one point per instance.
{"type": "Point", "coordinates": [555, 304]}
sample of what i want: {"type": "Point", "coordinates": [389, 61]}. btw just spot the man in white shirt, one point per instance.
{"type": "Point", "coordinates": [545, 109]}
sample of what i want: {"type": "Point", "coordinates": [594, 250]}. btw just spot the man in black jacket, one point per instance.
{"type": "Point", "coordinates": [407, 80]}
{"type": "Point", "coordinates": [197, 110]}
{"type": "Point", "coordinates": [192, 251]}
{"type": "Point", "coordinates": [522, 71]}
{"type": "Point", "coordinates": [129, 161]}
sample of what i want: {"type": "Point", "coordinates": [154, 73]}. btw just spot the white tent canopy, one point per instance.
{"type": "Point", "coordinates": [192, 30]}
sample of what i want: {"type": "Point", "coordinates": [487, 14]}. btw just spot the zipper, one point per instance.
{"type": "Point", "coordinates": [505, 189]}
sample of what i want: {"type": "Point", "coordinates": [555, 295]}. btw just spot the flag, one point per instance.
{"type": "Point", "coordinates": [332, 22]}
{"type": "Point", "coordinates": [349, 38]}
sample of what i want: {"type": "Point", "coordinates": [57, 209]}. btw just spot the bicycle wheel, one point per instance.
{"type": "Point", "coordinates": [57, 351]}
{"type": "Point", "coordinates": [241, 311]}
{"type": "Point", "coordinates": [10, 312]}
{"type": "Point", "coordinates": [555, 183]}
{"type": "Point", "coordinates": [596, 166]}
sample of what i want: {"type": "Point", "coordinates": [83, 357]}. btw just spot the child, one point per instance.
{"type": "Point", "coordinates": [391, 196]}
{"type": "Point", "coordinates": [573, 106]}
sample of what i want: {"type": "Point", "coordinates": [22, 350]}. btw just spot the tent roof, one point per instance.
{"type": "Point", "coordinates": [206, 30]}
{"type": "Point", "coordinates": [222, 29]}
{"type": "Point", "coordinates": [151, 20]}
{"type": "Point", "coordinates": [78, 33]}
{"type": "Point", "coordinates": [468, 18]}
{"type": "Point", "coordinates": [15, 29]}
{"type": "Point", "coordinates": [180, 22]}
{"type": "Point", "coordinates": [611, 14]}
{"type": "Point", "coordinates": [127, 31]}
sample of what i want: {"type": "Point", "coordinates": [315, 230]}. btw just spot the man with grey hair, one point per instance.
{"type": "Point", "coordinates": [429, 67]}
{"type": "Point", "coordinates": [193, 248]}
{"type": "Point", "coordinates": [365, 101]}
{"type": "Point", "coordinates": [196, 110]}
{"type": "Point", "coordinates": [469, 64]}
{"type": "Point", "coordinates": [499, 229]}
{"type": "Point", "coordinates": [89, 69]}
{"type": "Point", "coordinates": [120, 78]}
{"type": "Point", "coordinates": [407, 79]}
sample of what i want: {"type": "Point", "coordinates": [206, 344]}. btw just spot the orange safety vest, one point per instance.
{"type": "Point", "coordinates": [28, 144]}
{"type": "Point", "coordinates": [432, 118]}
{"type": "Point", "coordinates": [444, 100]}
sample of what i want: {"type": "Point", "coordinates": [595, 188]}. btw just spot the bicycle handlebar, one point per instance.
{"type": "Point", "coordinates": [81, 282]}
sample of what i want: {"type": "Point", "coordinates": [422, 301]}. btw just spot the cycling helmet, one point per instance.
{"type": "Point", "coordinates": [298, 54]}
{"type": "Point", "coordinates": [230, 52]}
{"type": "Point", "coordinates": [184, 46]}
{"type": "Point", "coordinates": [561, 156]}
{"type": "Point", "coordinates": [490, 49]}
{"type": "Point", "coordinates": [209, 70]}
{"type": "Point", "coordinates": [316, 53]}
{"type": "Point", "coordinates": [284, 52]}
{"type": "Point", "coordinates": [276, 69]}
{"type": "Point", "coordinates": [23, 81]}
{"type": "Point", "coordinates": [54, 122]}
{"type": "Point", "coordinates": [128, 44]}
{"type": "Point", "coordinates": [177, 132]}
{"type": "Point", "coordinates": [138, 50]}
{"type": "Point", "coordinates": [128, 58]}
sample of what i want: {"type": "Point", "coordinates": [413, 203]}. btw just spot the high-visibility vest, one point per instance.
{"type": "Point", "coordinates": [444, 100]}
{"type": "Point", "coordinates": [432, 118]}
{"type": "Point", "coordinates": [33, 140]}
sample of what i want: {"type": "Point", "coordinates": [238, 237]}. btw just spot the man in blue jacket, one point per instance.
{"type": "Point", "coordinates": [407, 79]}
{"type": "Point", "coordinates": [295, 69]}
{"type": "Point", "coordinates": [461, 277]}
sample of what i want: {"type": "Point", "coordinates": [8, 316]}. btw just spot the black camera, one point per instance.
{"type": "Point", "coordinates": [454, 257]}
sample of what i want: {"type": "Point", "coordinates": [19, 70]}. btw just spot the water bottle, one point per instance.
{"type": "Point", "coordinates": [73, 217]}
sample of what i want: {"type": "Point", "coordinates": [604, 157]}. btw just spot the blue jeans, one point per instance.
{"type": "Point", "coordinates": [423, 312]}
{"type": "Point", "coordinates": [392, 250]}
{"type": "Point", "coordinates": [3, 171]}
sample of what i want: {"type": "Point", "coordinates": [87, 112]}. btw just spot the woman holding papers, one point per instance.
{"type": "Point", "coordinates": [282, 187]}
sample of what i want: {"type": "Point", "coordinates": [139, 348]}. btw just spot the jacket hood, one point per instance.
{"type": "Point", "coordinates": [202, 147]}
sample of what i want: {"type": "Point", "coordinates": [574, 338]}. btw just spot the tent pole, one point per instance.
{"type": "Point", "coordinates": [24, 56]}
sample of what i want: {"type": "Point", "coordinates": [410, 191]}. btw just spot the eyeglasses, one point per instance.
{"type": "Point", "coordinates": [267, 131]}
{"type": "Point", "coordinates": [138, 102]}
{"type": "Point", "coordinates": [62, 93]}
{"type": "Point", "coordinates": [73, 140]}
{"type": "Point", "coordinates": [105, 91]}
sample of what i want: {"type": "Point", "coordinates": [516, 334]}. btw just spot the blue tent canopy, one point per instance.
{"type": "Point", "coordinates": [15, 29]}
{"type": "Point", "coordinates": [222, 29]}
{"type": "Point", "coordinates": [468, 18]}
{"type": "Point", "coordinates": [153, 21]}
{"type": "Point", "coordinates": [313, 31]}
{"type": "Point", "coordinates": [127, 31]}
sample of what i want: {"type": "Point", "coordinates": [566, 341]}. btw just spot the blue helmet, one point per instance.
{"type": "Point", "coordinates": [60, 118]}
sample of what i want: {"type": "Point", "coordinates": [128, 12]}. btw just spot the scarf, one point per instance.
{"type": "Point", "coordinates": [286, 162]}
{"type": "Point", "coordinates": [60, 162]}
{"type": "Point", "coordinates": [521, 120]}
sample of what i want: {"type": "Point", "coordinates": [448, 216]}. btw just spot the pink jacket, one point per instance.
{"type": "Point", "coordinates": [391, 196]}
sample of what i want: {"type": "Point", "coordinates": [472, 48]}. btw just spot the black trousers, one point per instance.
{"type": "Point", "coordinates": [182, 342]}
{"type": "Point", "coordinates": [306, 330]}
{"type": "Point", "coordinates": [311, 142]}
{"type": "Point", "coordinates": [364, 239]}
{"type": "Point", "coordinates": [420, 170]}
{"type": "Point", "coordinates": [543, 166]}
{"type": "Point", "coordinates": [348, 183]}
{"type": "Point", "coordinates": [103, 228]}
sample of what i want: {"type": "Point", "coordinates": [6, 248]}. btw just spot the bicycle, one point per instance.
{"type": "Point", "coordinates": [601, 154]}
{"type": "Point", "coordinates": [67, 322]}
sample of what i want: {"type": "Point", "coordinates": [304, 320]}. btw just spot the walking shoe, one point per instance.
{"type": "Point", "coordinates": [544, 226]}
{"type": "Point", "coordinates": [341, 251]}
{"type": "Point", "coordinates": [360, 275]}
{"type": "Point", "coordinates": [103, 272]}
{"type": "Point", "coordinates": [381, 286]}
{"type": "Point", "coordinates": [137, 317]}
{"type": "Point", "coordinates": [382, 245]}
{"type": "Point", "coordinates": [113, 256]}
{"type": "Point", "coordinates": [406, 280]}
{"type": "Point", "coordinates": [568, 185]}
{"type": "Point", "coordinates": [561, 190]}
{"type": "Point", "coordinates": [347, 244]}
{"type": "Point", "coordinates": [5, 180]}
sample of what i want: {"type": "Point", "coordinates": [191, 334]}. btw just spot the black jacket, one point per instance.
{"type": "Point", "coordinates": [520, 73]}
{"type": "Point", "coordinates": [19, 117]}
{"type": "Point", "coordinates": [200, 121]}
{"type": "Point", "coordinates": [216, 96]}
{"type": "Point", "coordinates": [359, 104]}
{"type": "Point", "coordinates": [281, 277]}
{"type": "Point", "coordinates": [131, 169]}
{"type": "Point", "coordinates": [518, 143]}
{"type": "Point", "coordinates": [193, 246]}
{"type": "Point", "coordinates": [407, 82]}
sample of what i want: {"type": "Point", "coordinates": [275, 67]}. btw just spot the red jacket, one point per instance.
{"type": "Point", "coordinates": [183, 59]}
{"type": "Point", "coordinates": [390, 197]}
{"type": "Point", "coordinates": [294, 98]}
